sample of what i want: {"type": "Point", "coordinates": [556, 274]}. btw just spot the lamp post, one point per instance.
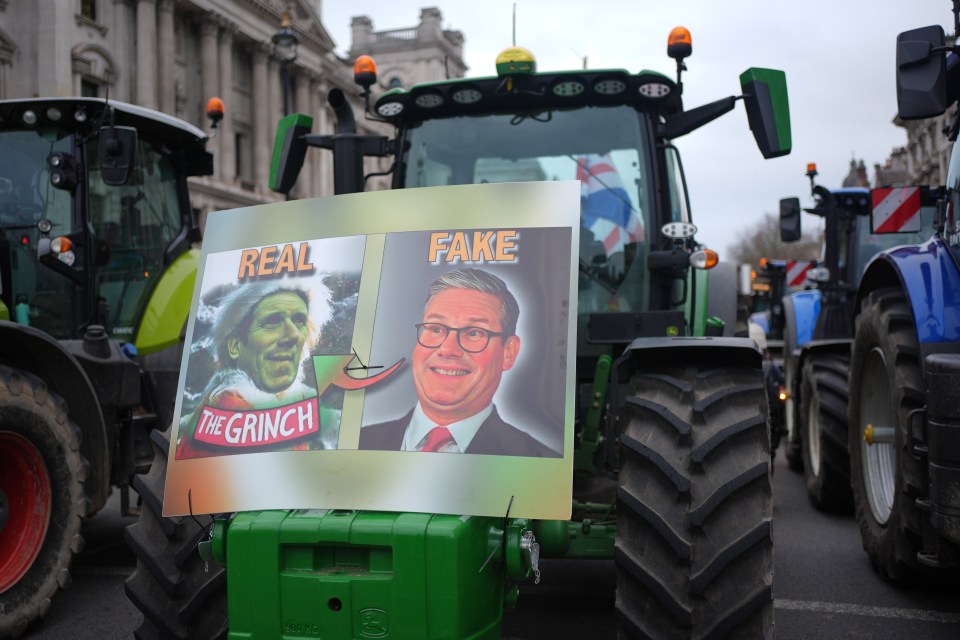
{"type": "Point", "coordinates": [285, 44]}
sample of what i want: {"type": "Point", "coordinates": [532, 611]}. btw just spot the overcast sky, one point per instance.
{"type": "Point", "coordinates": [838, 56]}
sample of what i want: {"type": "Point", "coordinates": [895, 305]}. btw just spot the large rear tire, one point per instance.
{"type": "Point", "coordinates": [886, 386]}
{"type": "Point", "coordinates": [179, 595]}
{"type": "Point", "coordinates": [823, 431]}
{"type": "Point", "coordinates": [41, 498]}
{"type": "Point", "coordinates": [694, 551]}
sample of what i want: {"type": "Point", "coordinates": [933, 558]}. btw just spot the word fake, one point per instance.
{"type": "Point", "coordinates": [473, 246]}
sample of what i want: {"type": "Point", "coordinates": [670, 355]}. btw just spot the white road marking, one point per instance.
{"type": "Point", "coordinates": [863, 610]}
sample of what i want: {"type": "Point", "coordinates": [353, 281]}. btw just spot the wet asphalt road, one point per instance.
{"type": "Point", "coordinates": [824, 587]}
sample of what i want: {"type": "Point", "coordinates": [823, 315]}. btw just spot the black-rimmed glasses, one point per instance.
{"type": "Point", "coordinates": [471, 339]}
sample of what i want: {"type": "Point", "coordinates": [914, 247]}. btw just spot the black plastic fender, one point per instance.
{"type": "Point", "coordinates": [33, 350]}
{"type": "Point", "coordinates": [839, 346]}
{"type": "Point", "coordinates": [738, 351]}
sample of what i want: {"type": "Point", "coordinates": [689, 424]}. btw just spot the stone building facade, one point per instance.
{"type": "Point", "coordinates": [425, 53]}
{"type": "Point", "coordinates": [172, 55]}
{"type": "Point", "coordinates": [927, 152]}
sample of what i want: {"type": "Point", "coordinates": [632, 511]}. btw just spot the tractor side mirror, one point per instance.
{"type": "Point", "coordinates": [768, 109]}
{"type": "Point", "coordinates": [117, 150]}
{"type": "Point", "coordinates": [289, 151]}
{"type": "Point", "coordinates": [790, 220]}
{"type": "Point", "coordinates": [921, 73]}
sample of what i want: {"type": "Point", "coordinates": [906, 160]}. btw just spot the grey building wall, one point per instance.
{"type": "Point", "coordinates": [172, 55]}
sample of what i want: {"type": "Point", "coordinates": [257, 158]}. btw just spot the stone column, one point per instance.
{"type": "Point", "coordinates": [261, 118]}
{"type": "Point", "coordinates": [166, 46]}
{"type": "Point", "coordinates": [147, 53]}
{"type": "Point", "coordinates": [228, 143]}
{"type": "Point", "coordinates": [209, 30]}
{"type": "Point", "coordinates": [124, 51]}
{"type": "Point", "coordinates": [324, 163]}
{"type": "Point", "coordinates": [301, 104]}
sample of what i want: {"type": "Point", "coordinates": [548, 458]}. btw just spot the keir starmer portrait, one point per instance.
{"type": "Point", "coordinates": [463, 348]}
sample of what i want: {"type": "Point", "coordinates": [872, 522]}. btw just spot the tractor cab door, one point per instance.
{"type": "Point", "coordinates": [135, 224]}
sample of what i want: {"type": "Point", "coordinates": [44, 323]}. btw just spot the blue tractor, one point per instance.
{"type": "Point", "coordinates": [818, 334]}
{"type": "Point", "coordinates": [904, 409]}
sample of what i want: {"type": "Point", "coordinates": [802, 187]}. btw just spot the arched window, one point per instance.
{"type": "Point", "coordinates": [93, 70]}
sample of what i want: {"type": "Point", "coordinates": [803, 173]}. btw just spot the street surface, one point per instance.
{"type": "Point", "coordinates": [824, 587]}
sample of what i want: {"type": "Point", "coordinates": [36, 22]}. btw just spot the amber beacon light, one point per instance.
{"type": "Point", "coordinates": [679, 44]}
{"type": "Point", "coordinates": [364, 71]}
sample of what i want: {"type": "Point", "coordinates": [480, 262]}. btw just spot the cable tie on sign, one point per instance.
{"type": "Point", "coordinates": [362, 366]}
{"type": "Point", "coordinates": [208, 529]}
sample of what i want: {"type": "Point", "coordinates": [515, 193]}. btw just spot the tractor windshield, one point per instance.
{"type": "Point", "coordinates": [33, 293]}
{"type": "Point", "coordinates": [601, 147]}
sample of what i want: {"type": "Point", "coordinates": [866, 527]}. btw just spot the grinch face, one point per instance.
{"type": "Point", "coordinates": [270, 351]}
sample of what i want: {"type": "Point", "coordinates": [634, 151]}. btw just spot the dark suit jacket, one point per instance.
{"type": "Point", "coordinates": [495, 437]}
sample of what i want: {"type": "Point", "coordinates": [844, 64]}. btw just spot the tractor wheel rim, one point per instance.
{"type": "Point", "coordinates": [878, 460]}
{"type": "Point", "coordinates": [813, 435]}
{"type": "Point", "coordinates": [25, 485]}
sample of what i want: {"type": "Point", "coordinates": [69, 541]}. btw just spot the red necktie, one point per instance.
{"type": "Point", "coordinates": [436, 438]}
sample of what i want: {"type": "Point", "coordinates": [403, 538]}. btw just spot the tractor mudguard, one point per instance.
{"type": "Point", "coordinates": [840, 346]}
{"type": "Point", "coordinates": [929, 276]}
{"type": "Point", "coordinates": [801, 310]}
{"type": "Point", "coordinates": [169, 305]}
{"type": "Point", "coordinates": [733, 351]}
{"type": "Point", "coordinates": [36, 352]}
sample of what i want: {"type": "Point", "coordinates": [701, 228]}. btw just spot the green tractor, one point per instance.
{"type": "Point", "coordinates": [672, 445]}
{"type": "Point", "coordinates": [96, 274]}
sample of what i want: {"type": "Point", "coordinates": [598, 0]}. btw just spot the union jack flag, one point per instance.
{"type": "Point", "coordinates": [605, 207]}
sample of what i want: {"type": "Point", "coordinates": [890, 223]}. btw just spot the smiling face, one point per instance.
{"type": "Point", "coordinates": [454, 384]}
{"type": "Point", "coordinates": [270, 352]}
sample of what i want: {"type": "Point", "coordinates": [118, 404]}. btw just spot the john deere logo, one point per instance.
{"type": "Point", "coordinates": [373, 623]}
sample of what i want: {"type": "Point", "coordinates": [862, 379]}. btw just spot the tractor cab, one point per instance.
{"type": "Point", "coordinates": [610, 129]}
{"type": "Point", "coordinates": [93, 209]}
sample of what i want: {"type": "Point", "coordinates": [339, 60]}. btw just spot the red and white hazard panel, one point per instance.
{"type": "Point", "coordinates": [896, 210]}
{"type": "Point", "coordinates": [797, 272]}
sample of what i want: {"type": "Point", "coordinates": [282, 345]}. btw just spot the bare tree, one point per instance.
{"type": "Point", "coordinates": [762, 240]}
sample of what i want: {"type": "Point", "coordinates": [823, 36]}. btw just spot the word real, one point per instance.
{"type": "Point", "coordinates": [257, 428]}
{"type": "Point", "coordinates": [473, 246]}
{"type": "Point", "coordinates": [274, 261]}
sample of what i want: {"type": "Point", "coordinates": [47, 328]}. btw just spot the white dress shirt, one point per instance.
{"type": "Point", "coordinates": [462, 431]}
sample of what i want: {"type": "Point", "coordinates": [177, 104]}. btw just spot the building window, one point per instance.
{"type": "Point", "coordinates": [89, 89]}
{"type": "Point", "coordinates": [88, 9]}
{"type": "Point", "coordinates": [243, 149]}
